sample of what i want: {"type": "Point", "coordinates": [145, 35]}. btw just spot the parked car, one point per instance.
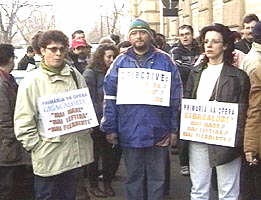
{"type": "Point", "coordinates": [18, 75]}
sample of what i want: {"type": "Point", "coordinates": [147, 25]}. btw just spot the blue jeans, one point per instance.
{"type": "Point", "coordinates": [59, 187]}
{"type": "Point", "coordinates": [149, 163]}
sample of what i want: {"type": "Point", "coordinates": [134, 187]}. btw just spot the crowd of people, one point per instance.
{"type": "Point", "coordinates": [138, 114]}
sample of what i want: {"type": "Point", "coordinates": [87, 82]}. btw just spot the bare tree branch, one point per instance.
{"type": "Point", "coordinates": [10, 24]}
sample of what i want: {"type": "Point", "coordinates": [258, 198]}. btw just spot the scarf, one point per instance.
{"type": "Point", "coordinates": [56, 70]}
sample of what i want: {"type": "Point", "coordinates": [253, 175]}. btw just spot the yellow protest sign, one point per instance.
{"type": "Point", "coordinates": [210, 122]}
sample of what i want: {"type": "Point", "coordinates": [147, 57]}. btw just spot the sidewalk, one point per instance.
{"type": "Point", "coordinates": [179, 185]}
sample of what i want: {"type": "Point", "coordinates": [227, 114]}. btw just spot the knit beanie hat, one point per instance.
{"type": "Point", "coordinates": [257, 32]}
{"type": "Point", "coordinates": [139, 25]}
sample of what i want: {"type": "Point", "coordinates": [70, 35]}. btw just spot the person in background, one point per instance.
{"type": "Point", "coordinates": [236, 35]}
{"type": "Point", "coordinates": [185, 55]}
{"type": "Point", "coordinates": [216, 79]}
{"type": "Point", "coordinates": [160, 41]}
{"type": "Point", "coordinates": [57, 161]}
{"type": "Point", "coordinates": [115, 38]}
{"type": "Point", "coordinates": [250, 173]}
{"type": "Point", "coordinates": [248, 24]}
{"type": "Point", "coordinates": [36, 48]}
{"type": "Point", "coordinates": [237, 54]}
{"type": "Point", "coordinates": [13, 157]}
{"type": "Point", "coordinates": [123, 46]}
{"type": "Point", "coordinates": [252, 140]}
{"type": "Point", "coordinates": [94, 77]}
{"type": "Point", "coordinates": [105, 40]}
{"type": "Point", "coordinates": [143, 131]}
{"type": "Point", "coordinates": [80, 54]}
{"type": "Point", "coordinates": [27, 59]}
{"type": "Point", "coordinates": [252, 59]}
{"type": "Point", "coordinates": [78, 34]}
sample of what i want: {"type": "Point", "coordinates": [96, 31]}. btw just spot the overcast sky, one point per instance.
{"type": "Point", "coordinates": [81, 14]}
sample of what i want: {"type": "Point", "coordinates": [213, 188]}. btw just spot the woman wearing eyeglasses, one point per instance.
{"type": "Point", "coordinates": [216, 79]}
{"type": "Point", "coordinates": [57, 161]}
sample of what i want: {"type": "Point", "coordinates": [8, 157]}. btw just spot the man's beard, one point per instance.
{"type": "Point", "coordinates": [82, 56]}
{"type": "Point", "coordinates": [141, 48]}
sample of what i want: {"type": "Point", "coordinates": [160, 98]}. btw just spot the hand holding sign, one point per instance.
{"type": "Point", "coordinates": [70, 112]}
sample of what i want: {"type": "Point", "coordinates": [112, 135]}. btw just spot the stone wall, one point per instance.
{"type": "Point", "coordinates": [197, 13]}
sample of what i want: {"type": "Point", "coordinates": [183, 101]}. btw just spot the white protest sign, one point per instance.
{"type": "Point", "coordinates": [67, 112]}
{"type": "Point", "coordinates": [143, 86]}
{"type": "Point", "coordinates": [209, 122]}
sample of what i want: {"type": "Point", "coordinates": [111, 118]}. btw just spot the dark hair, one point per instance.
{"type": "Point", "coordinates": [160, 41]}
{"type": "Point", "coordinates": [115, 38]}
{"type": "Point", "coordinates": [29, 49]}
{"type": "Point", "coordinates": [53, 36]}
{"type": "Point", "coordinates": [160, 35]}
{"type": "Point", "coordinates": [228, 40]}
{"type": "Point", "coordinates": [6, 52]}
{"type": "Point", "coordinates": [106, 40]}
{"type": "Point", "coordinates": [77, 32]}
{"type": "Point", "coordinates": [235, 35]}
{"type": "Point", "coordinates": [187, 27]}
{"type": "Point", "coordinates": [249, 18]}
{"type": "Point", "coordinates": [124, 44]}
{"type": "Point", "coordinates": [35, 41]}
{"type": "Point", "coordinates": [97, 60]}
{"type": "Point", "coordinates": [153, 32]}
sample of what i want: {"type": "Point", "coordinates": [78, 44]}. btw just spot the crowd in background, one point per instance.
{"type": "Point", "coordinates": [221, 65]}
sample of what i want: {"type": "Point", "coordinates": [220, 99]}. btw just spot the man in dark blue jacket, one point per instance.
{"type": "Point", "coordinates": [142, 115]}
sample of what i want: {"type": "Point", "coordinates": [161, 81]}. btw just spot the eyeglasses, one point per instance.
{"type": "Point", "coordinates": [55, 49]}
{"type": "Point", "coordinates": [212, 41]}
{"type": "Point", "coordinates": [185, 34]}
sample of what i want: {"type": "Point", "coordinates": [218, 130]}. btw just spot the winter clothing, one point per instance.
{"type": "Point", "coordinates": [250, 175]}
{"type": "Point", "coordinates": [94, 78]}
{"type": "Point", "coordinates": [139, 25]}
{"type": "Point", "coordinates": [74, 60]}
{"type": "Point", "coordinates": [253, 59]}
{"type": "Point", "coordinates": [185, 59]}
{"type": "Point", "coordinates": [50, 156]}
{"type": "Point", "coordinates": [13, 156]}
{"type": "Point", "coordinates": [23, 63]}
{"type": "Point", "coordinates": [257, 32]}
{"type": "Point", "coordinates": [233, 88]}
{"type": "Point", "coordinates": [243, 45]}
{"type": "Point", "coordinates": [140, 126]}
{"type": "Point", "coordinates": [12, 152]}
{"type": "Point", "coordinates": [252, 142]}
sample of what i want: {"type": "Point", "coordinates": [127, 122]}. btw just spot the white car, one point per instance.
{"type": "Point", "coordinates": [18, 75]}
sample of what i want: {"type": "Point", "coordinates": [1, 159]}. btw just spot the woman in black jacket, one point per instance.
{"type": "Point", "coordinates": [94, 76]}
{"type": "Point", "coordinates": [215, 79]}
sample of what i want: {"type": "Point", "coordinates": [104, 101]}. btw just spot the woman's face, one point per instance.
{"type": "Point", "coordinates": [108, 57]}
{"type": "Point", "coordinates": [214, 47]}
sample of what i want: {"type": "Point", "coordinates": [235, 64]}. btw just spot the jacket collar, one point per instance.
{"type": "Point", "coordinates": [130, 52]}
{"type": "Point", "coordinates": [53, 77]}
{"type": "Point", "coordinates": [64, 72]}
{"type": "Point", "coordinates": [194, 45]}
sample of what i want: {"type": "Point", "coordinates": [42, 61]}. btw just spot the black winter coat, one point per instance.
{"type": "Point", "coordinates": [11, 151]}
{"type": "Point", "coordinates": [234, 86]}
{"type": "Point", "coordinates": [23, 63]}
{"type": "Point", "coordinates": [185, 59]}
